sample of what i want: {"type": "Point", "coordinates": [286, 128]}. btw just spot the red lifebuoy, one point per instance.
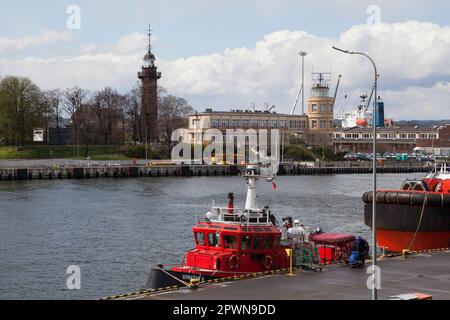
{"type": "Point", "coordinates": [233, 262]}
{"type": "Point", "coordinates": [268, 261]}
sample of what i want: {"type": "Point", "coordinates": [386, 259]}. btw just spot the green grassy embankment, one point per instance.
{"type": "Point", "coordinates": [71, 151]}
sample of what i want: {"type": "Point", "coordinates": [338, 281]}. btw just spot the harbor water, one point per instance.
{"type": "Point", "coordinates": [115, 230]}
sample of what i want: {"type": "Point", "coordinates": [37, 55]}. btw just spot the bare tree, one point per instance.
{"type": "Point", "coordinates": [108, 102]}
{"type": "Point", "coordinates": [134, 107]}
{"type": "Point", "coordinates": [74, 98]}
{"type": "Point", "coordinates": [172, 114]}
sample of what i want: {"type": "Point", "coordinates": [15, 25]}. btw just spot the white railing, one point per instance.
{"type": "Point", "coordinates": [239, 216]}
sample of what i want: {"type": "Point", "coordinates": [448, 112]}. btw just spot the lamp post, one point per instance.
{"type": "Point", "coordinates": [146, 145]}
{"type": "Point", "coordinates": [303, 54]}
{"type": "Point", "coordinates": [374, 169]}
{"type": "Point", "coordinates": [78, 141]}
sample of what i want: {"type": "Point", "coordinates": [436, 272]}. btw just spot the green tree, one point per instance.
{"type": "Point", "coordinates": [298, 153]}
{"type": "Point", "coordinates": [22, 108]}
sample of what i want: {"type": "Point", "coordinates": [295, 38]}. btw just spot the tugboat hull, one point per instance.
{"type": "Point", "coordinates": [410, 226]}
{"type": "Point", "coordinates": [161, 278]}
{"type": "Point", "coordinates": [396, 241]}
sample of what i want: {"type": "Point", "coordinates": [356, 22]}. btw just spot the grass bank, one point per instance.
{"type": "Point", "coordinates": [71, 152]}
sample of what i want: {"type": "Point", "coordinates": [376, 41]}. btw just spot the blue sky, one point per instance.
{"type": "Point", "coordinates": [197, 41]}
{"type": "Point", "coordinates": [196, 27]}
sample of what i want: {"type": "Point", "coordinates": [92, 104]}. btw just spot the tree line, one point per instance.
{"type": "Point", "coordinates": [101, 117]}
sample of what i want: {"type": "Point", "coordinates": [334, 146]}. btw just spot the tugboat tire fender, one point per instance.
{"type": "Point", "coordinates": [410, 198]}
{"type": "Point", "coordinates": [268, 261]}
{"type": "Point", "coordinates": [233, 262]}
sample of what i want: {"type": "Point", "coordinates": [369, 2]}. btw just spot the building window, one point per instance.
{"type": "Point", "coordinates": [323, 124]}
{"type": "Point", "coordinates": [245, 123]}
{"type": "Point", "coordinates": [225, 123]}
{"type": "Point", "coordinates": [314, 108]}
{"type": "Point", "coordinates": [254, 123]}
{"type": "Point", "coordinates": [264, 123]}
{"type": "Point", "coordinates": [323, 108]}
{"type": "Point", "coordinates": [273, 123]}
{"type": "Point", "coordinates": [411, 135]}
{"type": "Point", "coordinates": [215, 123]}
{"type": "Point", "coordinates": [303, 124]}
{"type": "Point", "coordinates": [283, 123]}
{"type": "Point", "coordinates": [234, 122]}
{"type": "Point", "coordinates": [314, 124]}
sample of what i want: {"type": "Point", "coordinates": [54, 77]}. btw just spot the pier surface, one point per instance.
{"type": "Point", "coordinates": [427, 273]}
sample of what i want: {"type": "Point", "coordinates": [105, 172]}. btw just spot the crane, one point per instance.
{"type": "Point", "coordinates": [336, 90]}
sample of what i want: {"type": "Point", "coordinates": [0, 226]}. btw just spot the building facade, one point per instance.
{"type": "Point", "coordinates": [393, 139]}
{"type": "Point", "coordinates": [293, 129]}
{"type": "Point", "coordinates": [313, 129]}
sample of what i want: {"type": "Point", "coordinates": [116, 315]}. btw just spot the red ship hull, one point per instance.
{"type": "Point", "coordinates": [399, 240]}
{"type": "Point", "coordinates": [410, 220]}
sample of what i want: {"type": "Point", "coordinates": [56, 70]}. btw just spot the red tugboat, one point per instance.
{"type": "Point", "coordinates": [235, 241]}
{"type": "Point", "coordinates": [416, 217]}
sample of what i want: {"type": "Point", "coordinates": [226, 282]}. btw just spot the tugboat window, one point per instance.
{"type": "Point", "coordinates": [246, 240]}
{"type": "Point", "coordinates": [258, 243]}
{"type": "Point", "coordinates": [200, 238]}
{"type": "Point", "coordinates": [214, 239]}
{"type": "Point", "coordinates": [268, 244]}
{"type": "Point", "coordinates": [231, 242]}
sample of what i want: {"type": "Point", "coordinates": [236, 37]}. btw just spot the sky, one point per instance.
{"type": "Point", "coordinates": [230, 54]}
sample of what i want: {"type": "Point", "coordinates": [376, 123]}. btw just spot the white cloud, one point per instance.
{"type": "Point", "coordinates": [412, 58]}
{"type": "Point", "coordinates": [44, 38]}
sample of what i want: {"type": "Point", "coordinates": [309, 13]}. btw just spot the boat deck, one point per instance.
{"type": "Point", "coordinates": [427, 273]}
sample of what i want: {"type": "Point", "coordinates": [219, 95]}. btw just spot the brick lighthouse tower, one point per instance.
{"type": "Point", "coordinates": [149, 95]}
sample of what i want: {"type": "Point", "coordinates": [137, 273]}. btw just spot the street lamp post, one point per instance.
{"type": "Point", "coordinates": [303, 54]}
{"type": "Point", "coordinates": [146, 145]}
{"type": "Point", "coordinates": [374, 169]}
{"type": "Point", "coordinates": [78, 141]}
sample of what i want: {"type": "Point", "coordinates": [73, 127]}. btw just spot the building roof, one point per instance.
{"type": "Point", "coordinates": [388, 129]}
{"type": "Point", "coordinates": [245, 112]}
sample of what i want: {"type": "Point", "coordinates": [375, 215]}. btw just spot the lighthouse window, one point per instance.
{"type": "Point", "coordinates": [258, 242]}
{"type": "Point", "coordinates": [245, 245]}
{"type": "Point", "coordinates": [200, 238]}
{"type": "Point", "coordinates": [231, 242]}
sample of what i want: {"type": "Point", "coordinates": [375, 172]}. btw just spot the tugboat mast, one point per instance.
{"type": "Point", "coordinates": [251, 177]}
